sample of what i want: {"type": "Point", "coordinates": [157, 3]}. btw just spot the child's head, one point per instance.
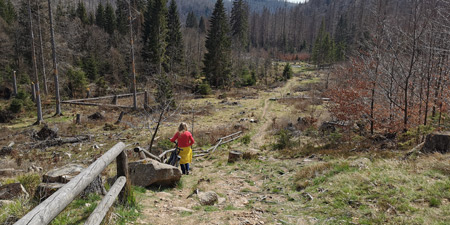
{"type": "Point", "coordinates": [183, 127]}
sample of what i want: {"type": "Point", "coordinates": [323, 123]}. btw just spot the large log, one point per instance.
{"type": "Point", "coordinates": [45, 212]}
{"type": "Point", "coordinates": [97, 104]}
{"type": "Point", "coordinates": [60, 141]}
{"type": "Point", "coordinates": [102, 208]}
{"type": "Point", "coordinates": [103, 97]}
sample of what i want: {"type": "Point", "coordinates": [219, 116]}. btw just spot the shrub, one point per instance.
{"type": "Point", "coordinates": [246, 139]}
{"type": "Point", "coordinates": [283, 140]}
{"type": "Point", "coordinates": [30, 182]}
{"type": "Point", "coordinates": [165, 144]}
{"type": "Point", "coordinates": [203, 89]}
{"type": "Point", "coordinates": [287, 72]}
{"type": "Point", "coordinates": [434, 202]}
{"type": "Point", "coordinates": [16, 106]}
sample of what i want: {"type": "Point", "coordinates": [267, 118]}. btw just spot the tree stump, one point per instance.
{"type": "Point", "coordinates": [114, 101]}
{"type": "Point", "coordinates": [78, 120]}
{"type": "Point", "coordinates": [120, 117]}
{"type": "Point", "coordinates": [234, 156]}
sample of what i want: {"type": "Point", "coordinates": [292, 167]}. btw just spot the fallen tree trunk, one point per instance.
{"type": "Point", "coordinates": [97, 104]}
{"type": "Point", "coordinates": [103, 97]}
{"type": "Point", "coordinates": [59, 141]}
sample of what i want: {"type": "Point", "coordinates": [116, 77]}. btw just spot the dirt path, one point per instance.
{"type": "Point", "coordinates": [250, 192]}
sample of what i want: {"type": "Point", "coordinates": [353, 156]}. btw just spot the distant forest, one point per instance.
{"type": "Point", "coordinates": [201, 43]}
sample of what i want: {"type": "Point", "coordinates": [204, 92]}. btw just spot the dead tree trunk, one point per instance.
{"type": "Point", "coordinates": [33, 92]}
{"type": "Point", "coordinates": [44, 76]}
{"type": "Point", "coordinates": [14, 83]}
{"type": "Point", "coordinates": [55, 64]}
{"type": "Point", "coordinates": [157, 125]}
{"type": "Point", "coordinates": [40, 119]}
{"type": "Point", "coordinates": [133, 69]}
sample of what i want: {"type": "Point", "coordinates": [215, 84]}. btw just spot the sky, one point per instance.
{"type": "Point", "coordinates": [296, 1]}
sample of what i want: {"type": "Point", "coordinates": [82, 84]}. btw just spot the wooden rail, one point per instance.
{"type": "Point", "coordinates": [220, 141]}
{"type": "Point", "coordinates": [45, 212]}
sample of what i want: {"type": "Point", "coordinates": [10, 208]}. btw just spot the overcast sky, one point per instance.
{"type": "Point", "coordinates": [296, 1]}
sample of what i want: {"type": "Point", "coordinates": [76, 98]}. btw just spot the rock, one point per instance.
{"type": "Point", "coordinates": [150, 172]}
{"type": "Point", "coordinates": [46, 133]}
{"type": "Point", "coordinates": [362, 163]}
{"type": "Point", "coordinates": [96, 116]}
{"type": "Point", "coordinates": [207, 198]}
{"type": "Point", "coordinates": [35, 168]}
{"type": "Point", "coordinates": [182, 209]}
{"type": "Point", "coordinates": [8, 172]}
{"type": "Point", "coordinates": [437, 142]}
{"type": "Point", "coordinates": [220, 201]}
{"type": "Point", "coordinates": [11, 191]}
{"type": "Point", "coordinates": [5, 202]}
{"type": "Point", "coordinates": [253, 121]}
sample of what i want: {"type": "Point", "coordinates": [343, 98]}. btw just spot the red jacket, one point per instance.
{"type": "Point", "coordinates": [184, 140]}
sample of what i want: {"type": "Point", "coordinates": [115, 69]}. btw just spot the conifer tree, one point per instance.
{"type": "Point", "coordinates": [122, 17]}
{"type": "Point", "coordinates": [154, 48]}
{"type": "Point", "coordinates": [7, 11]}
{"type": "Point", "coordinates": [239, 24]}
{"type": "Point", "coordinates": [100, 16]}
{"type": "Point", "coordinates": [81, 13]}
{"type": "Point", "coordinates": [191, 20]}
{"type": "Point", "coordinates": [175, 47]}
{"type": "Point", "coordinates": [217, 61]}
{"type": "Point", "coordinates": [202, 25]}
{"type": "Point", "coordinates": [324, 47]}
{"type": "Point", "coordinates": [110, 19]}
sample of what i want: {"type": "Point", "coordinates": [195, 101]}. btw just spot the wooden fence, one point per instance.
{"type": "Point", "coordinates": [45, 212]}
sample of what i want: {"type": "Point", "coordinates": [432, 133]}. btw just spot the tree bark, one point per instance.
{"type": "Point", "coordinates": [55, 63]}
{"type": "Point", "coordinates": [102, 208]}
{"type": "Point", "coordinates": [45, 212]}
{"type": "Point", "coordinates": [40, 118]}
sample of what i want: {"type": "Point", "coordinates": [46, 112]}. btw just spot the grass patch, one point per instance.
{"type": "Point", "coordinates": [230, 207]}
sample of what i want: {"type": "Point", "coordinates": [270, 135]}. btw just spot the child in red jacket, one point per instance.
{"type": "Point", "coordinates": [185, 141]}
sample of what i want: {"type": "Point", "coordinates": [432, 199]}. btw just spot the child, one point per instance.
{"type": "Point", "coordinates": [185, 141]}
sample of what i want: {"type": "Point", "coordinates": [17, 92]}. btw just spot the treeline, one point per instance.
{"type": "Point", "coordinates": [398, 78]}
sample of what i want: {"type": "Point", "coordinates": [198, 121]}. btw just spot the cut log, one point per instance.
{"type": "Point", "coordinates": [102, 208]}
{"type": "Point", "coordinates": [234, 156]}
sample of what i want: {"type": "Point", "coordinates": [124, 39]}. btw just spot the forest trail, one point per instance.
{"type": "Point", "coordinates": [245, 192]}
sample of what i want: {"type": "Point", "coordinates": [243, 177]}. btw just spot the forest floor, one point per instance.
{"type": "Point", "coordinates": [314, 178]}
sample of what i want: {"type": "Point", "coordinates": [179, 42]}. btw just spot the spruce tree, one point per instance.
{"type": "Point", "coordinates": [100, 16]}
{"type": "Point", "coordinates": [191, 20]}
{"type": "Point", "coordinates": [7, 11]}
{"type": "Point", "coordinates": [154, 48]}
{"type": "Point", "coordinates": [81, 13]}
{"type": "Point", "coordinates": [175, 47]}
{"type": "Point", "coordinates": [110, 19]}
{"type": "Point", "coordinates": [202, 25]}
{"type": "Point", "coordinates": [122, 17]}
{"type": "Point", "coordinates": [239, 24]}
{"type": "Point", "coordinates": [217, 60]}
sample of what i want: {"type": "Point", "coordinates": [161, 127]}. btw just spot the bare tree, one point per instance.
{"type": "Point", "coordinates": [55, 63]}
